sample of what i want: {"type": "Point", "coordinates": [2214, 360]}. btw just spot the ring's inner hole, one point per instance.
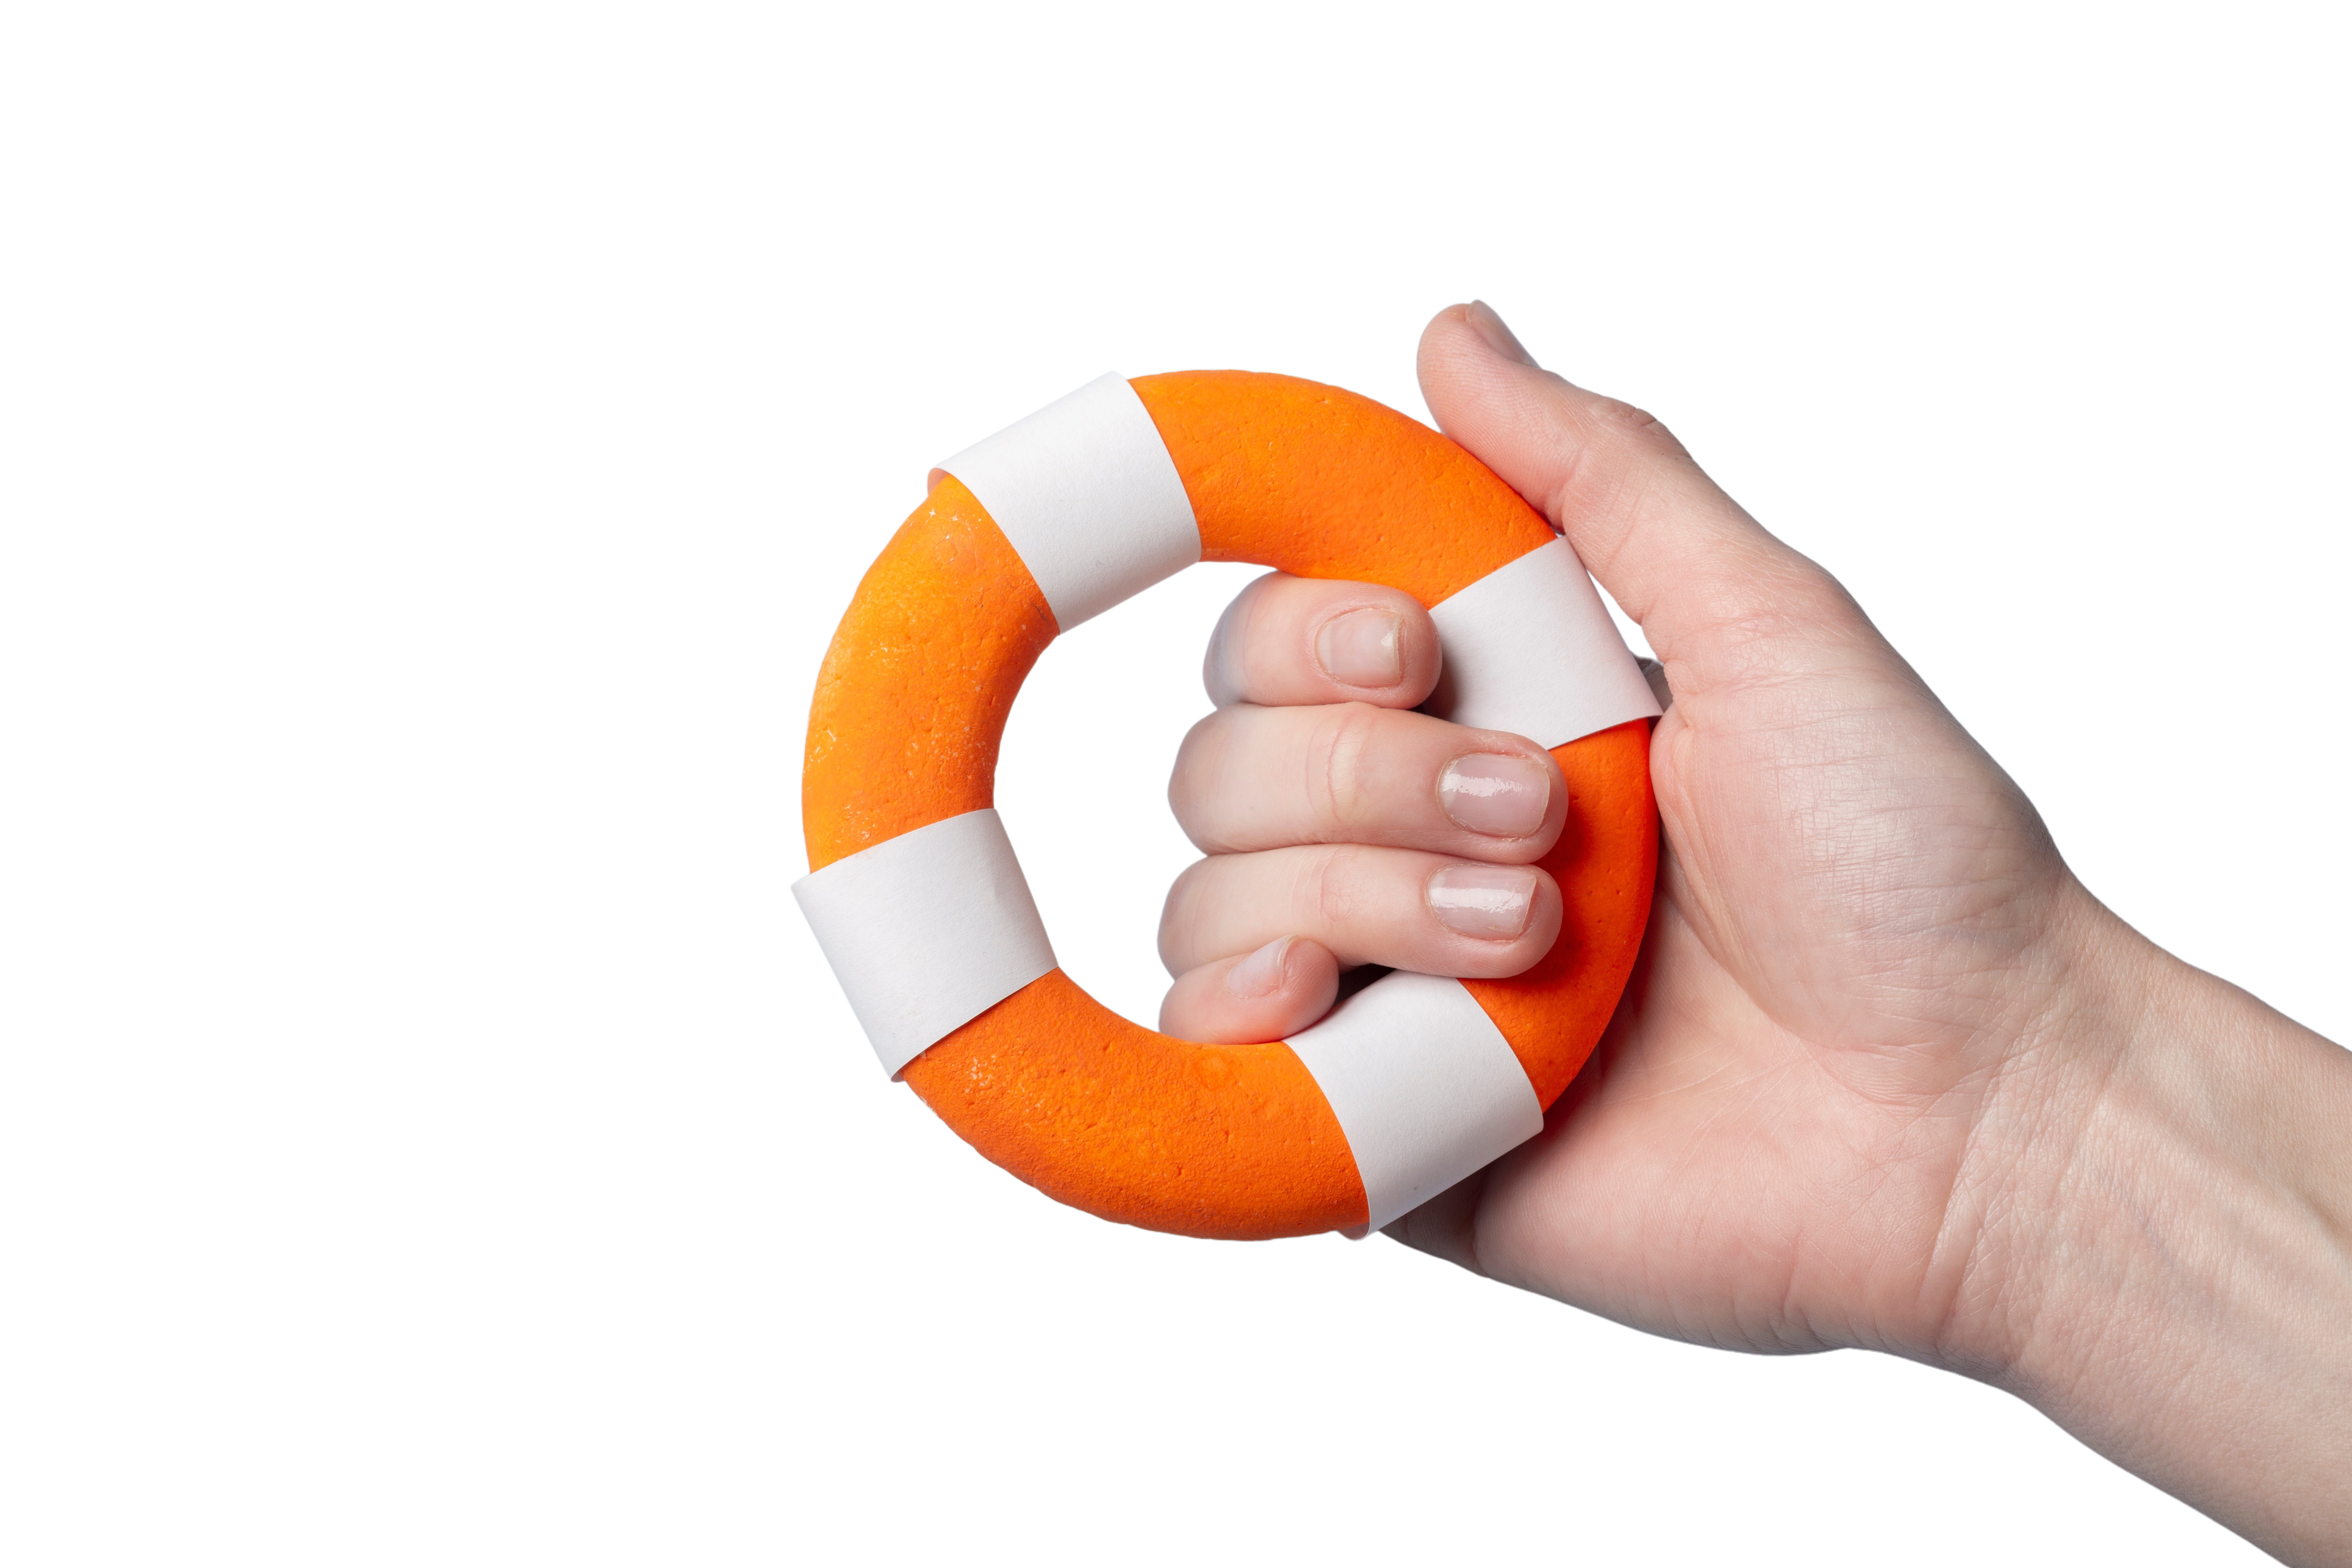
{"type": "Point", "coordinates": [1082, 781]}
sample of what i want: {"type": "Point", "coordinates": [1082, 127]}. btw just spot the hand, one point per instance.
{"type": "Point", "coordinates": [1858, 919]}
{"type": "Point", "coordinates": [1886, 1075]}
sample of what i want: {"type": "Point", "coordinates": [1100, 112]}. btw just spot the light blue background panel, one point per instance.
{"type": "Point", "coordinates": [1408, 1412]}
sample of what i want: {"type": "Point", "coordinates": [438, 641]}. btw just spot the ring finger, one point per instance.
{"type": "Point", "coordinates": [1403, 908]}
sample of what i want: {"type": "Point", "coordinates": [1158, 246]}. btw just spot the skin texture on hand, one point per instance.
{"type": "Point", "coordinates": [1886, 1075]}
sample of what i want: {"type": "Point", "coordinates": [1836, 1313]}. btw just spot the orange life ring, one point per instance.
{"type": "Point", "coordinates": [1231, 1140]}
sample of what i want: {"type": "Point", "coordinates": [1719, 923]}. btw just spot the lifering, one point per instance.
{"type": "Point", "coordinates": [1412, 1082]}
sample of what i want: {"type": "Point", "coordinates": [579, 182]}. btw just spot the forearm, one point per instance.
{"type": "Point", "coordinates": [2169, 1268]}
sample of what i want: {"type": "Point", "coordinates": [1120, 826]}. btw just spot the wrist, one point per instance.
{"type": "Point", "coordinates": [2044, 1119]}
{"type": "Point", "coordinates": [2160, 1257]}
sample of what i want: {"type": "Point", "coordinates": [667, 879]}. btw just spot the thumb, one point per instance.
{"type": "Point", "coordinates": [1702, 577]}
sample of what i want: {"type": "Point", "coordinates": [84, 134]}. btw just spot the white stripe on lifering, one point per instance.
{"type": "Point", "coordinates": [1425, 1086]}
{"type": "Point", "coordinates": [1531, 648]}
{"type": "Point", "coordinates": [927, 930]}
{"type": "Point", "coordinates": [1085, 491]}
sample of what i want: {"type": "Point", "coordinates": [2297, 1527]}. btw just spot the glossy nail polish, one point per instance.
{"type": "Point", "coordinates": [1363, 649]}
{"type": "Point", "coordinates": [1495, 794]}
{"type": "Point", "coordinates": [1492, 903]}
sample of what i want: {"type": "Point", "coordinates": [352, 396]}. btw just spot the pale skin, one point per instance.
{"type": "Point", "coordinates": [1887, 1075]}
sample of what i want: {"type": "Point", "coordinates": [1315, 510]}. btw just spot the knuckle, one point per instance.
{"type": "Point", "coordinates": [1330, 880]}
{"type": "Point", "coordinates": [1616, 420]}
{"type": "Point", "coordinates": [1612, 456]}
{"type": "Point", "coordinates": [1228, 667]}
{"type": "Point", "coordinates": [1336, 746]}
{"type": "Point", "coordinates": [1781, 614]}
{"type": "Point", "coordinates": [1176, 911]}
{"type": "Point", "coordinates": [1191, 781]}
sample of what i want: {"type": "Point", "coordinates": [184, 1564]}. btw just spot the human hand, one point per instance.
{"type": "Point", "coordinates": [1857, 920]}
{"type": "Point", "coordinates": [1879, 1032]}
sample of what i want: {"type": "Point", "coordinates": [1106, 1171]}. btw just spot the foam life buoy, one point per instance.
{"type": "Point", "coordinates": [1412, 1083]}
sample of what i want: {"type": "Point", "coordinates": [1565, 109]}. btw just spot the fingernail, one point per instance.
{"type": "Point", "coordinates": [1490, 902]}
{"type": "Point", "coordinates": [1490, 793]}
{"type": "Point", "coordinates": [1500, 338]}
{"type": "Point", "coordinates": [1259, 975]}
{"type": "Point", "coordinates": [1362, 647]}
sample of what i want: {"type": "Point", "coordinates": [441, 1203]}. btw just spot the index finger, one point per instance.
{"type": "Point", "coordinates": [1289, 641]}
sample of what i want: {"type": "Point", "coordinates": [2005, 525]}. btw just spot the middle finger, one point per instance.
{"type": "Point", "coordinates": [1347, 772]}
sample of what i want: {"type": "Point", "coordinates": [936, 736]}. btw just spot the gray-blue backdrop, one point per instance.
{"type": "Point", "coordinates": [1412, 1414]}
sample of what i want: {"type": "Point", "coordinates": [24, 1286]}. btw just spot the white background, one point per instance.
{"type": "Point", "coordinates": [435, 443]}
